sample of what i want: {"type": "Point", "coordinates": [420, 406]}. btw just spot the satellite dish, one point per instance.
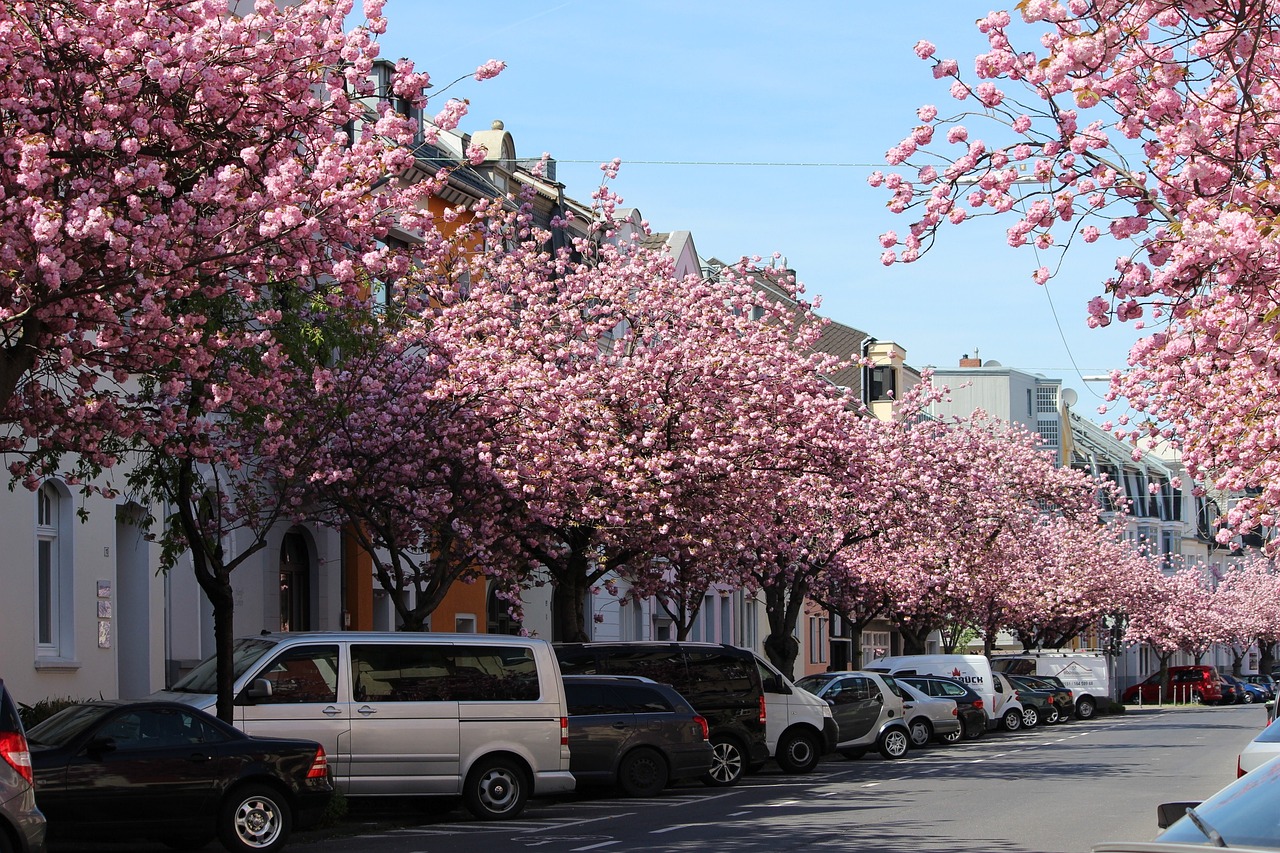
{"type": "Point", "coordinates": [991, 362]}
{"type": "Point", "coordinates": [1069, 397]}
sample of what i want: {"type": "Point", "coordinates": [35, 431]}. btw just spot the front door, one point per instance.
{"type": "Point", "coordinates": [857, 703]}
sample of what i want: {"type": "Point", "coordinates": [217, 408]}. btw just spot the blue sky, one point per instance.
{"type": "Point", "coordinates": [704, 83]}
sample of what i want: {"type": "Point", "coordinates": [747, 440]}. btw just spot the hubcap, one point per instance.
{"type": "Point", "coordinates": [726, 762]}
{"type": "Point", "coordinates": [258, 822]}
{"type": "Point", "coordinates": [498, 790]}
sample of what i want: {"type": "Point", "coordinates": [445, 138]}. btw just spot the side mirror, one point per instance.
{"type": "Point", "coordinates": [1168, 813]}
{"type": "Point", "coordinates": [257, 690]}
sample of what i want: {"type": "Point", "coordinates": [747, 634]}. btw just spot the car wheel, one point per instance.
{"type": "Point", "coordinates": [642, 773]}
{"type": "Point", "coordinates": [496, 789]}
{"type": "Point", "coordinates": [853, 754]}
{"type": "Point", "coordinates": [1030, 717]}
{"type": "Point", "coordinates": [254, 818]}
{"type": "Point", "coordinates": [1052, 716]}
{"type": "Point", "coordinates": [1012, 719]}
{"type": "Point", "coordinates": [1248, 698]}
{"type": "Point", "coordinates": [727, 763]}
{"type": "Point", "coordinates": [894, 743]}
{"type": "Point", "coordinates": [953, 737]}
{"type": "Point", "coordinates": [921, 732]}
{"type": "Point", "coordinates": [1197, 698]}
{"type": "Point", "coordinates": [1085, 709]}
{"type": "Point", "coordinates": [798, 752]}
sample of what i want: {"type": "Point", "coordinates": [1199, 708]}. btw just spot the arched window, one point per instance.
{"type": "Point", "coordinates": [295, 583]}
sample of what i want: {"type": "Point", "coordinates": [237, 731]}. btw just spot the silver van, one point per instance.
{"type": "Point", "coordinates": [479, 715]}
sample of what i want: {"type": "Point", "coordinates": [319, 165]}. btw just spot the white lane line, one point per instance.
{"type": "Point", "coordinates": [595, 846]}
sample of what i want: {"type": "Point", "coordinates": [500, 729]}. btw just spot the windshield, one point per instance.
{"type": "Point", "coordinates": [204, 678]}
{"type": "Point", "coordinates": [66, 725]}
{"type": "Point", "coordinates": [812, 683]}
{"type": "Point", "coordinates": [1243, 813]}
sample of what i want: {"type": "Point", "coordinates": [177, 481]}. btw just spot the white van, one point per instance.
{"type": "Point", "coordinates": [479, 715]}
{"type": "Point", "coordinates": [1086, 673]}
{"type": "Point", "coordinates": [999, 701]}
{"type": "Point", "coordinates": [799, 727]}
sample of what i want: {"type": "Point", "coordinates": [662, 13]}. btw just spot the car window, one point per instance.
{"type": "Point", "coordinates": [425, 672]}
{"type": "Point", "coordinates": [893, 687]}
{"type": "Point", "coordinates": [157, 728]}
{"type": "Point", "coordinates": [666, 666]}
{"type": "Point", "coordinates": [644, 700]}
{"type": "Point", "coordinates": [204, 678]}
{"type": "Point", "coordinates": [67, 724]}
{"type": "Point", "coordinates": [714, 676]}
{"type": "Point", "coordinates": [593, 699]}
{"type": "Point", "coordinates": [303, 674]}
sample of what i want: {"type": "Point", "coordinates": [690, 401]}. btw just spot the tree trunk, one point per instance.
{"type": "Point", "coordinates": [569, 599]}
{"type": "Point", "coordinates": [912, 640]}
{"type": "Point", "coordinates": [782, 608]}
{"type": "Point", "coordinates": [1266, 657]}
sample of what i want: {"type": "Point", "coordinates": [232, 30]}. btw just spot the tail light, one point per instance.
{"type": "Point", "coordinates": [706, 730]}
{"type": "Point", "coordinates": [13, 748]}
{"type": "Point", "coordinates": [1239, 770]}
{"type": "Point", "coordinates": [955, 712]}
{"type": "Point", "coordinates": [319, 765]}
{"type": "Point", "coordinates": [977, 704]}
{"type": "Point", "coordinates": [1050, 698]}
{"type": "Point", "coordinates": [762, 709]}
{"type": "Point", "coordinates": [564, 731]}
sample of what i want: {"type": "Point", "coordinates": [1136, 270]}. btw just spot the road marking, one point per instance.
{"type": "Point", "coordinates": [738, 814]}
{"type": "Point", "coordinates": [595, 846]}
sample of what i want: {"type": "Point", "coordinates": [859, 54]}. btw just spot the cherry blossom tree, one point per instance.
{"type": "Point", "coordinates": [976, 549]}
{"type": "Point", "coordinates": [1153, 123]}
{"type": "Point", "coordinates": [1248, 599]}
{"type": "Point", "coordinates": [194, 196]}
{"type": "Point", "coordinates": [165, 157]}
{"type": "Point", "coordinates": [1176, 612]}
{"type": "Point", "coordinates": [644, 401]}
{"type": "Point", "coordinates": [406, 467]}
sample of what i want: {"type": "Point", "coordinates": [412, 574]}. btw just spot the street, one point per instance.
{"type": "Point", "coordinates": [1062, 788]}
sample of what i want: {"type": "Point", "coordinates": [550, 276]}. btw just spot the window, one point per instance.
{"type": "Point", "coordinates": [295, 583]}
{"type": "Point", "coordinates": [883, 384]}
{"type": "Point", "coordinates": [464, 623]}
{"type": "Point", "coordinates": [1046, 399]}
{"type": "Point", "coordinates": [817, 639]}
{"type": "Point", "coordinates": [306, 674]}
{"type": "Point", "coordinates": [423, 672]}
{"type": "Point", "coordinates": [53, 575]}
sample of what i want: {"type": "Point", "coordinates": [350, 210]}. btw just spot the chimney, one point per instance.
{"type": "Point", "coordinates": [965, 361]}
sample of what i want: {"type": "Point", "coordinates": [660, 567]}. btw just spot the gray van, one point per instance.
{"type": "Point", "coordinates": [479, 715]}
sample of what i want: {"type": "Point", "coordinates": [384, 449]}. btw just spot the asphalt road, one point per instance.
{"type": "Point", "coordinates": [1058, 789]}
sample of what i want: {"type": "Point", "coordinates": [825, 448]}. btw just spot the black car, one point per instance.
{"type": "Point", "coordinates": [634, 733]}
{"type": "Point", "coordinates": [973, 718]}
{"type": "Point", "coordinates": [721, 682]}
{"type": "Point", "coordinates": [1064, 700]}
{"type": "Point", "coordinates": [1233, 692]}
{"type": "Point", "coordinates": [165, 770]}
{"type": "Point", "coordinates": [21, 822]}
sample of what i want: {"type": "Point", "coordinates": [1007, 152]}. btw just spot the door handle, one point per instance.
{"type": "Point", "coordinates": [620, 725]}
{"type": "Point", "coordinates": [198, 757]}
{"type": "Point", "coordinates": [332, 711]}
{"type": "Point", "coordinates": [365, 710]}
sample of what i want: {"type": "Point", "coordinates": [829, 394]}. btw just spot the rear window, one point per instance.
{"type": "Point", "coordinates": [9, 719]}
{"type": "Point", "coordinates": [644, 700]}
{"type": "Point", "coordinates": [422, 672]}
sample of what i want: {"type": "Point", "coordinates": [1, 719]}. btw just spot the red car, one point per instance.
{"type": "Point", "coordinates": [1199, 684]}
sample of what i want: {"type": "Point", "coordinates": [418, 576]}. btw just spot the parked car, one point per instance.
{"type": "Point", "coordinates": [1199, 684]}
{"type": "Point", "coordinates": [1264, 747]}
{"type": "Point", "coordinates": [1265, 682]}
{"type": "Point", "coordinates": [973, 719]}
{"type": "Point", "coordinates": [867, 710]}
{"type": "Point", "coordinates": [633, 733]}
{"type": "Point", "coordinates": [1025, 709]}
{"type": "Point", "coordinates": [1233, 691]}
{"type": "Point", "coordinates": [1063, 699]}
{"type": "Point", "coordinates": [722, 683]}
{"type": "Point", "coordinates": [1248, 693]}
{"type": "Point", "coordinates": [928, 716]}
{"type": "Point", "coordinates": [429, 714]}
{"type": "Point", "coordinates": [168, 771]}
{"type": "Point", "coordinates": [1240, 816]}
{"type": "Point", "coordinates": [22, 825]}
